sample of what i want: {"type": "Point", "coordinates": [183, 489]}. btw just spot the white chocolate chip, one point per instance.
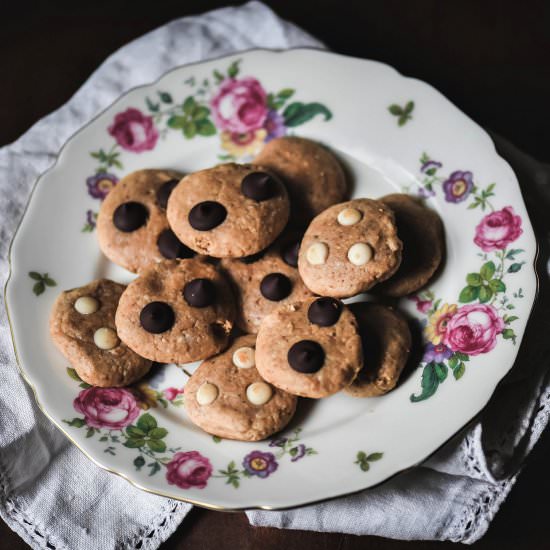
{"type": "Point", "coordinates": [244, 358]}
{"type": "Point", "coordinates": [317, 253]}
{"type": "Point", "coordinates": [105, 338]}
{"type": "Point", "coordinates": [349, 216]}
{"type": "Point", "coordinates": [259, 393]}
{"type": "Point", "coordinates": [86, 305]}
{"type": "Point", "coordinates": [360, 254]}
{"type": "Point", "coordinates": [207, 393]}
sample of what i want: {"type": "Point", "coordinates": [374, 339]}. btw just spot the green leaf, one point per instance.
{"type": "Point", "coordinates": [95, 154]}
{"type": "Point", "coordinates": [103, 438]}
{"type": "Point", "coordinates": [84, 385]}
{"type": "Point", "coordinates": [361, 456]}
{"type": "Point", "coordinates": [218, 76]}
{"type": "Point", "coordinates": [474, 279]}
{"type": "Point", "coordinates": [176, 122]}
{"type": "Point", "coordinates": [205, 127]}
{"type": "Point", "coordinates": [428, 383]}
{"type": "Point", "coordinates": [156, 445]}
{"type": "Point", "coordinates": [468, 294]}
{"type": "Point", "coordinates": [395, 110]}
{"type": "Point", "coordinates": [90, 432]}
{"type": "Point", "coordinates": [490, 187]}
{"type": "Point", "coordinates": [459, 371]}
{"type": "Point", "coordinates": [462, 356]}
{"type": "Point", "coordinates": [216, 439]}
{"type": "Point", "coordinates": [155, 467]}
{"type": "Point", "coordinates": [497, 285]}
{"type": "Point", "coordinates": [200, 112]}
{"type": "Point", "coordinates": [154, 107]}
{"type": "Point", "coordinates": [364, 466]}
{"type": "Point", "coordinates": [453, 362]}
{"type": "Point", "coordinates": [402, 120]}
{"type": "Point", "coordinates": [409, 107]}
{"type": "Point", "coordinates": [134, 443]}
{"type": "Point", "coordinates": [509, 334]}
{"type": "Point", "coordinates": [485, 294]}
{"type": "Point", "coordinates": [139, 462]}
{"type": "Point", "coordinates": [189, 129]}
{"type": "Point", "coordinates": [374, 456]}
{"type": "Point", "coordinates": [76, 422]}
{"type": "Point", "coordinates": [49, 281]}
{"type": "Point", "coordinates": [285, 93]}
{"type": "Point", "coordinates": [297, 113]}
{"type": "Point", "coordinates": [34, 275]}
{"type": "Point", "coordinates": [165, 97]}
{"type": "Point", "coordinates": [474, 205]}
{"type": "Point", "coordinates": [510, 319]}
{"type": "Point", "coordinates": [441, 371]}
{"type": "Point", "coordinates": [431, 171]}
{"type": "Point", "coordinates": [512, 253]}
{"type": "Point", "coordinates": [72, 373]}
{"type": "Point", "coordinates": [146, 422]}
{"type": "Point", "coordinates": [487, 270]}
{"type": "Point", "coordinates": [233, 69]}
{"type": "Point", "coordinates": [158, 433]}
{"type": "Point", "coordinates": [135, 433]}
{"type": "Point", "coordinates": [514, 268]}
{"type": "Point", "coordinates": [38, 288]}
{"type": "Point", "coordinates": [293, 451]}
{"type": "Point", "coordinates": [189, 105]}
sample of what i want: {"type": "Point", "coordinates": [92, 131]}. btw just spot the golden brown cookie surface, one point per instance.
{"type": "Point", "coordinates": [82, 326]}
{"type": "Point", "coordinates": [227, 397]}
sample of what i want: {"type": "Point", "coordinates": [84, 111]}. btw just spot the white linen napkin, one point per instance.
{"type": "Point", "coordinates": [52, 495]}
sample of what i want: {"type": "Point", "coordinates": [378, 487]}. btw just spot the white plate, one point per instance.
{"type": "Point", "coordinates": [393, 133]}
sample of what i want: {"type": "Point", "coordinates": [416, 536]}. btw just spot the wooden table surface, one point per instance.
{"type": "Point", "coordinates": [490, 58]}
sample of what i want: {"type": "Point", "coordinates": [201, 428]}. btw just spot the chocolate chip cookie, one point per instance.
{"type": "Point", "coordinates": [349, 248]}
{"type": "Point", "coordinates": [265, 281]}
{"type": "Point", "coordinates": [82, 326]}
{"type": "Point", "coordinates": [132, 228]}
{"type": "Point", "coordinates": [313, 175]}
{"type": "Point", "coordinates": [421, 231]}
{"type": "Point", "coordinates": [227, 397]}
{"type": "Point", "coordinates": [229, 211]}
{"type": "Point", "coordinates": [176, 311]}
{"type": "Point", "coordinates": [310, 348]}
{"type": "Point", "coordinates": [386, 341]}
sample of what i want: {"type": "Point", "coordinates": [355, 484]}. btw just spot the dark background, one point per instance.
{"type": "Point", "coordinates": [491, 58]}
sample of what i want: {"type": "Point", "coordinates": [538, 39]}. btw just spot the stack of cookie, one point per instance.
{"type": "Point", "coordinates": [244, 266]}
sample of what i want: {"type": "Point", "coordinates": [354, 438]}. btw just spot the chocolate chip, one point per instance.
{"type": "Point", "coordinates": [306, 356]}
{"type": "Point", "coordinates": [164, 192]}
{"type": "Point", "coordinates": [290, 253]}
{"type": "Point", "coordinates": [259, 186]}
{"type": "Point", "coordinates": [171, 247]}
{"type": "Point", "coordinates": [252, 258]}
{"type": "Point", "coordinates": [207, 215]}
{"type": "Point", "coordinates": [324, 312]}
{"type": "Point", "coordinates": [275, 287]}
{"type": "Point", "coordinates": [130, 216]}
{"type": "Point", "coordinates": [200, 293]}
{"type": "Point", "coordinates": [157, 317]}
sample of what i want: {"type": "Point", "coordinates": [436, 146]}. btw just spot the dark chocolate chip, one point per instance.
{"type": "Point", "coordinates": [200, 293]}
{"type": "Point", "coordinates": [275, 287]}
{"type": "Point", "coordinates": [130, 216]}
{"type": "Point", "coordinates": [324, 312]}
{"type": "Point", "coordinates": [157, 317]}
{"type": "Point", "coordinates": [164, 192]}
{"type": "Point", "coordinates": [171, 247]}
{"type": "Point", "coordinates": [252, 258]}
{"type": "Point", "coordinates": [306, 356]}
{"type": "Point", "coordinates": [259, 186]}
{"type": "Point", "coordinates": [207, 215]}
{"type": "Point", "coordinates": [290, 253]}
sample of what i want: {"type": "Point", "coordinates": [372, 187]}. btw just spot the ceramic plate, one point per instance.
{"type": "Point", "coordinates": [393, 134]}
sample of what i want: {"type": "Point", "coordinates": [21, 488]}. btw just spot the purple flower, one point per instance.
{"type": "Point", "coordinates": [299, 453]}
{"type": "Point", "coordinates": [100, 184]}
{"type": "Point", "coordinates": [274, 125]}
{"type": "Point", "coordinates": [91, 217]}
{"type": "Point", "coordinates": [278, 442]}
{"type": "Point", "coordinates": [426, 193]}
{"type": "Point", "coordinates": [260, 464]}
{"type": "Point", "coordinates": [458, 186]}
{"type": "Point", "coordinates": [431, 166]}
{"type": "Point", "coordinates": [437, 353]}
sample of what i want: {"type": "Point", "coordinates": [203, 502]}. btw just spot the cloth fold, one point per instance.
{"type": "Point", "coordinates": [51, 494]}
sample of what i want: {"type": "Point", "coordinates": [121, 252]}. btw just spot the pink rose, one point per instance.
{"type": "Point", "coordinates": [240, 106]}
{"type": "Point", "coordinates": [189, 469]}
{"type": "Point", "coordinates": [112, 408]}
{"type": "Point", "coordinates": [473, 329]}
{"type": "Point", "coordinates": [172, 393]}
{"type": "Point", "coordinates": [134, 131]}
{"type": "Point", "coordinates": [421, 305]}
{"type": "Point", "coordinates": [498, 229]}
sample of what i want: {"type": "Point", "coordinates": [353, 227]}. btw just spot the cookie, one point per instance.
{"type": "Point", "coordinates": [227, 397]}
{"type": "Point", "coordinates": [176, 311]}
{"type": "Point", "coordinates": [349, 248]}
{"type": "Point", "coordinates": [132, 228]}
{"type": "Point", "coordinates": [82, 326]}
{"type": "Point", "coordinates": [421, 231]}
{"type": "Point", "coordinates": [386, 341]}
{"type": "Point", "coordinates": [265, 281]}
{"type": "Point", "coordinates": [229, 211]}
{"type": "Point", "coordinates": [310, 348]}
{"type": "Point", "coordinates": [313, 176]}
